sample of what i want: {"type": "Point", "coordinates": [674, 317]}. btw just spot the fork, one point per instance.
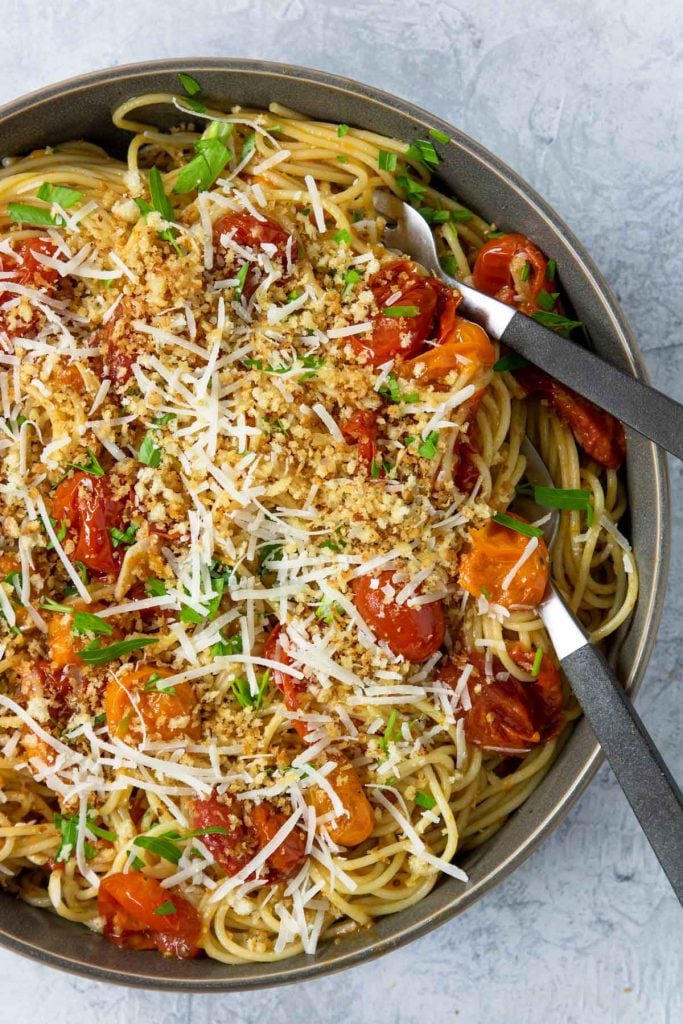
{"type": "Point", "coordinates": [646, 410]}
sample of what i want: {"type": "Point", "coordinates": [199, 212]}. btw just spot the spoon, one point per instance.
{"type": "Point", "coordinates": [648, 411]}
{"type": "Point", "coordinates": [641, 772]}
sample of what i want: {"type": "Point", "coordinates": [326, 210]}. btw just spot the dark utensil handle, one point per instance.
{"type": "Point", "coordinates": [648, 784]}
{"type": "Point", "coordinates": [648, 411]}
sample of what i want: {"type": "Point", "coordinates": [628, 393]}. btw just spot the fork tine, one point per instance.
{"type": "Point", "coordinates": [387, 204]}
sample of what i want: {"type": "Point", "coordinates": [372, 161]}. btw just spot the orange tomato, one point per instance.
{"type": "Point", "coordinates": [130, 903]}
{"type": "Point", "coordinates": [459, 343]}
{"type": "Point", "coordinates": [416, 633]}
{"type": "Point", "coordinates": [126, 701]}
{"type": "Point", "coordinates": [357, 825]}
{"type": "Point", "coordinates": [495, 550]}
{"type": "Point", "coordinates": [63, 644]}
{"type": "Point", "coordinates": [68, 378]}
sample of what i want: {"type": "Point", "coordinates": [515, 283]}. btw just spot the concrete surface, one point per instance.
{"type": "Point", "coordinates": [583, 98]}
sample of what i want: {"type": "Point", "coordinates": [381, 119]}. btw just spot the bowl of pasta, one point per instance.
{"type": "Point", "coordinates": [274, 693]}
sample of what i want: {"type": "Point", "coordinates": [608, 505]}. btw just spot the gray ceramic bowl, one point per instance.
{"type": "Point", "coordinates": [81, 108]}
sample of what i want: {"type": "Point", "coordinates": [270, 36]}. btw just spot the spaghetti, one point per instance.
{"type": "Point", "coordinates": [269, 646]}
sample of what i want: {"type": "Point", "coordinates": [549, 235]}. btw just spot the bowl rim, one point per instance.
{"type": "Point", "coordinates": [292, 970]}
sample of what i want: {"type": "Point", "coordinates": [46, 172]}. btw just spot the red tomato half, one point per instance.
{"type": "Point", "coordinates": [416, 633]}
{"type": "Point", "coordinates": [251, 233]}
{"type": "Point", "coordinates": [402, 337]}
{"type": "Point", "coordinates": [129, 904]}
{"type": "Point", "coordinates": [361, 428]}
{"type": "Point", "coordinates": [498, 271]}
{"type": "Point", "coordinates": [85, 504]}
{"type": "Point", "coordinates": [599, 434]}
{"type": "Point", "coordinates": [509, 713]}
{"type": "Point", "coordinates": [290, 687]}
{"type": "Point", "coordinates": [291, 853]}
{"type": "Point", "coordinates": [233, 850]}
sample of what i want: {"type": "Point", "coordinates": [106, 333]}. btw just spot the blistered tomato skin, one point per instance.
{"type": "Point", "coordinates": [84, 504]}
{"type": "Point", "coordinates": [356, 824]}
{"type": "Point", "coordinates": [288, 857]}
{"type": "Point", "coordinates": [132, 700]}
{"type": "Point", "coordinates": [498, 271]}
{"type": "Point", "coordinates": [416, 633]}
{"type": "Point", "coordinates": [494, 552]}
{"type": "Point", "coordinates": [232, 847]}
{"type": "Point", "coordinates": [287, 684]}
{"type": "Point", "coordinates": [129, 902]}
{"type": "Point", "coordinates": [392, 337]}
{"type": "Point", "coordinates": [250, 233]}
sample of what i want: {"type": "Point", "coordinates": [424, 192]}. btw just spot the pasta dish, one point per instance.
{"type": "Point", "coordinates": [270, 656]}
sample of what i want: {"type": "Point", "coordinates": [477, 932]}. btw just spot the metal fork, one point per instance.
{"type": "Point", "coordinates": [648, 411]}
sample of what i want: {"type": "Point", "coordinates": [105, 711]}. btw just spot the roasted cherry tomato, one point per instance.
{"type": "Point", "coordinates": [232, 849]}
{"type": "Point", "coordinates": [361, 429]}
{"type": "Point", "coordinates": [357, 824]}
{"type": "Point", "coordinates": [599, 434]}
{"type": "Point", "coordinates": [509, 713]}
{"type": "Point", "coordinates": [401, 337]}
{"type": "Point", "coordinates": [466, 473]}
{"type": "Point", "coordinates": [84, 504]}
{"type": "Point", "coordinates": [251, 233]}
{"type": "Point", "coordinates": [288, 685]}
{"type": "Point", "coordinates": [416, 633]}
{"type": "Point", "coordinates": [134, 696]}
{"type": "Point", "coordinates": [27, 270]}
{"type": "Point", "coordinates": [290, 855]}
{"type": "Point", "coordinates": [495, 550]}
{"type": "Point", "coordinates": [460, 345]}
{"type": "Point", "coordinates": [130, 904]}
{"type": "Point", "coordinates": [499, 271]}
{"type": "Point", "coordinates": [45, 680]}
{"type": "Point", "coordinates": [67, 377]}
{"type": "Point", "coordinates": [115, 344]}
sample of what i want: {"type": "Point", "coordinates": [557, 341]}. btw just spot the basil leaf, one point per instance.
{"type": "Point", "coordinates": [93, 654]}
{"type": "Point", "coordinates": [202, 171]}
{"type": "Point", "coordinates": [86, 622]}
{"type": "Point", "coordinates": [64, 197]}
{"type": "Point", "coordinates": [24, 213]}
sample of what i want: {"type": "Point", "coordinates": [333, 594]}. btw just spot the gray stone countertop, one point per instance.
{"type": "Point", "coordinates": [582, 98]}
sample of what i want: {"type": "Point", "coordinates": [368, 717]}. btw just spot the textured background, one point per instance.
{"type": "Point", "coordinates": [583, 98]}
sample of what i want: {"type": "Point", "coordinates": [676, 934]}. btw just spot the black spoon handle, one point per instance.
{"type": "Point", "coordinates": [639, 406]}
{"type": "Point", "coordinates": [649, 786]}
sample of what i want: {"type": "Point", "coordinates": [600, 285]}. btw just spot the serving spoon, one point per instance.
{"type": "Point", "coordinates": [643, 408]}
{"type": "Point", "coordinates": [641, 772]}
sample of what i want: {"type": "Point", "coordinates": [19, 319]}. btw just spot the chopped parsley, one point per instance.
{"type": "Point", "coordinates": [126, 536]}
{"type": "Point", "coordinates": [90, 465]}
{"type": "Point", "coordinates": [424, 800]}
{"type": "Point", "coordinates": [342, 130]}
{"type": "Point", "coordinates": [350, 278]}
{"type": "Point", "coordinates": [59, 194]}
{"type": "Point", "coordinates": [268, 554]}
{"type": "Point", "coordinates": [423, 151]}
{"type": "Point", "coordinates": [189, 84]}
{"type": "Point", "coordinates": [556, 322]}
{"type": "Point", "coordinates": [525, 271]}
{"type": "Point", "coordinates": [461, 215]}
{"type": "Point", "coordinates": [328, 610]}
{"type": "Point", "coordinates": [190, 615]}
{"type": "Point", "coordinates": [155, 588]}
{"type": "Point", "coordinates": [93, 654]}
{"type": "Point", "coordinates": [413, 189]}
{"type": "Point", "coordinates": [386, 161]}
{"type": "Point", "coordinates": [439, 136]}
{"type": "Point", "coordinates": [536, 667]}
{"type": "Point", "coordinates": [428, 447]}
{"type": "Point", "coordinates": [551, 270]}
{"type": "Point", "coordinates": [342, 159]}
{"type": "Point", "coordinates": [510, 361]}
{"type": "Point", "coordinates": [249, 145]}
{"type": "Point", "coordinates": [162, 204]}
{"type": "Point", "coordinates": [242, 690]}
{"type": "Point", "coordinates": [516, 524]}
{"type": "Point", "coordinates": [227, 646]}
{"type": "Point", "coordinates": [389, 731]}
{"type": "Point", "coordinates": [168, 907]}
{"type": "Point", "coordinates": [152, 685]}
{"type": "Point", "coordinates": [392, 390]}
{"type": "Point", "coordinates": [398, 311]}
{"type": "Point", "coordinates": [448, 264]}
{"type": "Point", "coordinates": [342, 236]}
{"type": "Point", "coordinates": [86, 622]}
{"type": "Point", "coordinates": [150, 453]}
{"type": "Point", "coordinates": [241, 280]}
{"type": "Point", "coordinates": [546, 300]}
{"type": "Point", "coordinates": [573, 498]}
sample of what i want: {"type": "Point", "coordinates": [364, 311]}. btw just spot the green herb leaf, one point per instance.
{"type": "Point", "coordinates": [423, 150]}
{"type": "Point", "coordinates": [202, 170]}
{"type": "Point", "coordinates": [573, 498]}
{"type": "Point", "coordinates": [247, 699]}
{"type": "Point", "coordinates": [510, 361]}
{"type": "Point", "coordinates": [428, 447]}
{"type": "Point", "coordinates": [241, 279]}
{"type": "Point", "coordinates": [536, 667]}
{"type": "Point", "coordinates": [52, 606]}
{"type": "Point", "coordinates": [439, 136]}
{"type": "Point", "coordinates": [85, 622]}
{"type": "Point", "coordinates": [556, 322]}
{"type": "Point", "coordinates": [400, 311]}
{"type": "Point", "coordinates": [100, 719]}
{"type": "Point", "coordinates": [525, 271]}
{"type": "Point", "coordinates": [342, 130]}
{"type": "Point", "coordinates": [227, 646]}
{"type": "Point", "coordinates": [210, 830]}
{"type": "Point", "coordinates": [150, 453]}
{"type": "Point", "coordinates": [350, 278]}
{"type": "Point", "coordinates": [90, 465]}
{"type": "Point", "coordinates": [64, 197]}
{"type": "Point", "coordinates": [189, 84]}
{"type": "Point", "coordinates": [413, 189]}
{"type": "Point", "coordinates": [24, 213]}
{"type": "Point", "coordinates": [448, 264]}
{"type": "Point", "coordinates": [392, 390]}
{"type": "Point", "coordinates": [60, 532]}
{"type": "Point", "coordinates": [424, 800]}
{"type": "Point", "coordinates": [164, 418]}
{"type": "Point", "coordinates": [551, 270]}
{"type": "Point", "coordinates": [196, 105]}
{"type": "Point", "coordinates": [156, 588]}
{"type": "Point", "coordinates": [342, 159]}
{"type": "Point", "coordinates": [388, 734]}
{"type": "Point", "coordinates": [461, 216]}
{"type": "Point", "coordinates": [152, 685]}
{"type": "Point", "coordinates": [342, 236]}
{"type": "Point", "coordinates": [168, 907]}
{"type": "Point", "coordinates": [126, 536]}
{"type": "Point", "coordinates": [515, 524]}
{"type": "Point", "coordinates": [268, 554]}
{"type": "Point", "coordinates": [546, 300]}
{"type": "Point", "coordinates": [190, 615]}
{"type": "Point", "coordinates": [386, 161]}
{"type": "Point", "coordinates": [495, 234]}
{"type": "Point", "coordinates": [160, 846]}
{"type": "Point", "coordinates": [160, 201]}
{"type": "Point", "coordinates": [93, 654]}
{"type": "Point", "coordinates": [248, 146]}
